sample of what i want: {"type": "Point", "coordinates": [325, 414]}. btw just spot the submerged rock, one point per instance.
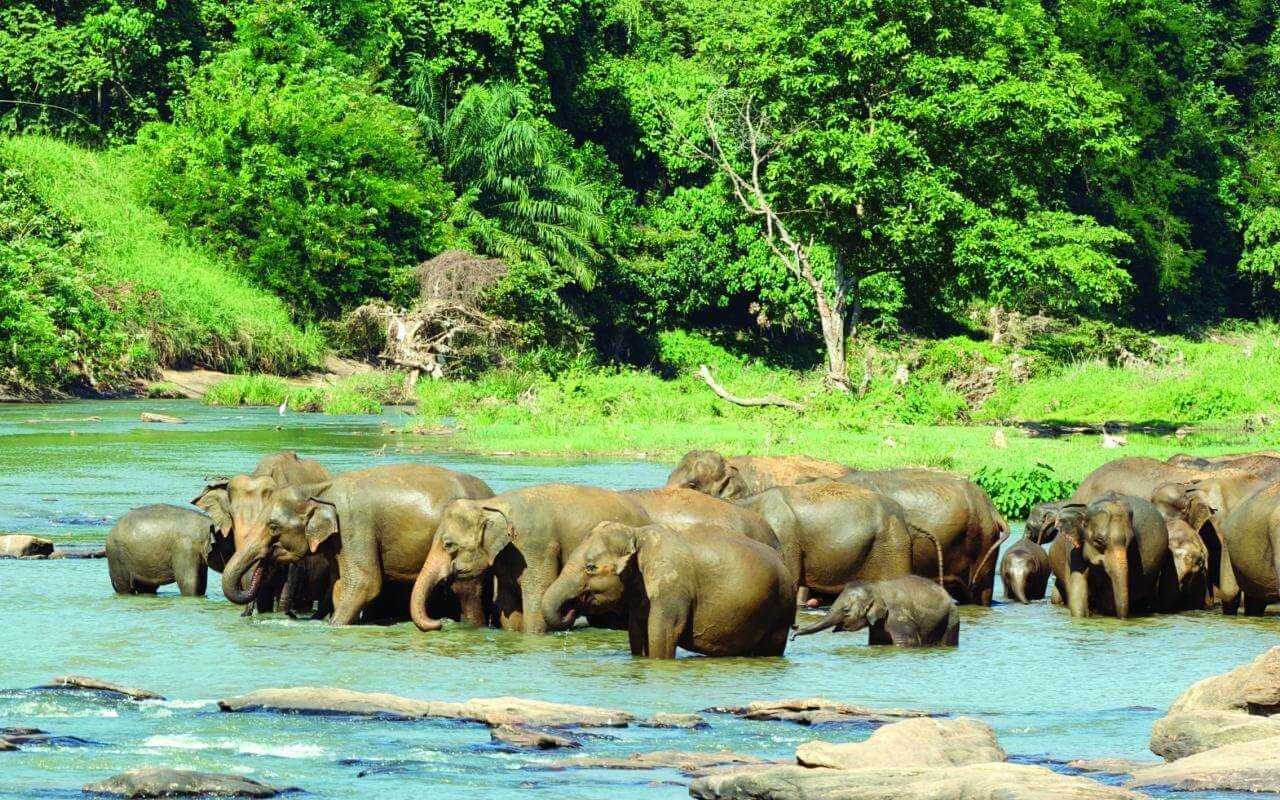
{"type": "Point", "coordinates": [83, 684]}
{"type": "Point", "coordinates": [1244, 767]}
{"type": "Point", "coordinates": [182, 783]}
{"type": "Point", "coordinates": [518, 736]}
{"type": "Point", "coordinates": [22, 545]}
{"type": "Point", "coordinates": [1109, 766]}
{"type": "Point", "coordinates": [492, 711]}
{"type": "Point", "coordinates": [685, 721]}
{"type": "Point", "coordinates": [992, 781]}
{"type": "Point", "coordinates": [686, 762]}
{"type": "Point", "coordinates": [911, 743]}
{"type": "Point", "coordinates": [166, 419]}
{"type": "Point", "coordinates": [1186, 733]}
{"type": "Point", "coordinates": [818, 711]}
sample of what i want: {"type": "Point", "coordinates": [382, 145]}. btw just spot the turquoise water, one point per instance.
{"type": "Point", "coordinates": [1053, 688]}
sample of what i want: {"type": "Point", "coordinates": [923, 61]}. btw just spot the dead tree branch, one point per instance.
{"type": "Point", "coordinates": [769, 400]}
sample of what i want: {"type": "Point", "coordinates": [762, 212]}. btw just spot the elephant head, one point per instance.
{"type": "Point", "coordinates": [471, 535]}
{"type": "Point", "coordinates": [1190, 556]}
{"type": "Point", "coordinates": [594, 577]}
{"type": "Point", "coordinates": [1042, 522]}
{"type": "Point", "coordinates": [708, 472]}
{"type": "Point", "coordinates": [1102, 535]}
{"type": "Point", "coordinates": [856, 608]}
{"type": "Point", "coordinates": [239, 508]}
{"type": "Point", "coordinates": [291, 523]}
{"type": "Point", "coordinates": [1171, 500]}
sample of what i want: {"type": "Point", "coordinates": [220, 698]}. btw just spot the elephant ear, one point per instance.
{"type": "Point", "coordinates": [731, 485]}
{"type": "Point", "coordinates": [498, 532]}
{"type": "Point", "coordinates": [626, 551]}
{"type": "Point", "coordinates": [877, 612]}
{"type": "Point", "coordinates": [322, 522]}
{"type": "Point", "coordinates": [215, 501]}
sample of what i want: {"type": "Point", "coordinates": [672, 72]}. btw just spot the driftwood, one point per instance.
{"type": "Point", "coordinates": [770, 400]}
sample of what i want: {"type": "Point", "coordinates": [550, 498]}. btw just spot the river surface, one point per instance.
{"type": "Point", "coordinates": [1055, 689]}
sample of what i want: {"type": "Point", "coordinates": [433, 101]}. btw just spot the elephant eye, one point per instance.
{"type": "Point", "coordinates": [590, 567]}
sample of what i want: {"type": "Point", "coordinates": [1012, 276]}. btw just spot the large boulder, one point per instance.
{"type": "Point", "coordinates": [492, 711]}
{"type": "Point", "coordinates": [1186, 733]}
{"type": "Point", "coordinates": [1253, 688]}
{"type": "Point", "coordinates": [181, 783]}
{"type": "Point", "coordinates": [1244, 767]}
{"type": "Point", "coordinates": [21, 545]}
{"type": "Point", "coordinates": [818, 711]}
{"type": "Point", "coordinates": [911, 743]}
{"type": "Point", "coordinates": [991, 781]}
{"type": "Point", "coordinates": [79, 683]}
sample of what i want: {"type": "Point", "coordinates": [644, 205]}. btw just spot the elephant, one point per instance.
{"type": "Point", "coordinates": [1042, 524]}
{"type": "Point", "coordinates": [1135, 477]}
{"type": "Point", "coordinates": [523, 536]}
{"type": "Point", "coordinates": [907, 612]}
{"type": "Point", "coordinates": [1191, 563]}
{"type": "Point", "coordinates": [705, 589]}
{"type": "Point", "coordinates": [1025, 571]}
{"type": "Point", "coordinates": [711, 473]}
{"type": "Point", "coordinates": [1263, 463]}
{"type": "Point", "coordinates": [159, 544]}
{"type": "Point", "coordinates": [240, 503]}
{"type": "Point", "coordinates": [956, 513]}
{"type": "Point", "coordinates": [676, 506]}
{"type": "Point", "coordinates": [1112, 557]}
{"type": "Point", "coordinates": [1251, 538]}
{"type": "Point", "coordinates": [373, 526]}
{"type": "Point", "coordinates": [832, 533]}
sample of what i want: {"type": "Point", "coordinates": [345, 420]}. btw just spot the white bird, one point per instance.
{"type": "Point", "coordinates": [283, 407]}
{"type": "Point", "coordinates": [1111, 442]}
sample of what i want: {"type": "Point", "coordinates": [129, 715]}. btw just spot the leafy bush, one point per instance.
{"type": "Point", "coordinates": [1092, 340]}
{"type": "Point", "coordinates": [1014, 491]}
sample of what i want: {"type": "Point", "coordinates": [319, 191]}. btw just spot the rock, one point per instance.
{"type": "Point", "coordinates": [1186, 733]}
{"type": "Point", "coordinates": [167, 419]}
{"type": "Point", "coordinates": [993, 781]}
{"type": "Point", "coordinates": [21, 545]}
{"type": "Point", "coordinates": [1245, 767]}
{"type": "Point", "coordinates": [1109, 766]}
{"type": "Point", "coordinates": [81, 683]}
{"type": "Point", "coordinates": [664, 720]}
{"type": "Point", "coordinates": [181, 783]}
{"type": "Point", "coordinates": [518, 736]}
{"type": "Point", "coordinates": [492, 711]}
{"type": "Point", "coordinates": [911, 743]}
{"type": "Point", "coordinates": [78, 554]}
{"type": "Point", "coordinates": [1252, 688]}
{"type": "Point", "coordinates": [7, 746]}
{"type": "Point", "coordinates": [818, 711]}
{"type": "Point", "coordinates": [665, 759]}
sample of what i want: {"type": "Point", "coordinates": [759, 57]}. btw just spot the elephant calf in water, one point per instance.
{"type": "Point", "coordinates": [156, 545]}
{"type": "Point", "coordinates": [1025, 571]}
{"type": "Point", "coordinates": [701, 587]}
{"type": "Point", "coordinates": [907, 612]}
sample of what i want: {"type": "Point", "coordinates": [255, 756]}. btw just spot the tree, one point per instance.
{"type": "Point", "coordinates": [516, 200]}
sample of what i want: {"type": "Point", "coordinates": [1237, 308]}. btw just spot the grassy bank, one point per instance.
{"type": "Point", "coordinates": [354, 394]}
{"type": "Point", "coordinates": [194, 309]}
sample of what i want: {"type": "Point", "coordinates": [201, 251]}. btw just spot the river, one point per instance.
{"type": "Point", "coordinates": [1055, 689]}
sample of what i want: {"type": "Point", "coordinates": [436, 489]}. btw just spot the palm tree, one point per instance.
{"type": "Point", "coordinates": [516, 200]}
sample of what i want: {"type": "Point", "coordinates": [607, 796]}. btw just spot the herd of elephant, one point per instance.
{"type": "Point", "coordinates": [1146, 536]}
{"type": "Point", "coordinates": [716, 561]}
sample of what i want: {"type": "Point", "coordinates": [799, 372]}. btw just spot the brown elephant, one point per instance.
{"type": "Point", "coordinates": [1112, 557]}
{"type": "Point", "coordinates": [372, 526]}
{"type": "Point", "coordinates": [523, 536]}
{"type": "Point", "coordinates": [1042, 521]}
{"type": "Point", "coordinates": [703, 588]}
{"type": "Point", "coordinates": [1251, 535]}
{"type": "Point", "coordinates": [711, 473]}
{"type": "Point", "coordinates": [956, 513]}
{"type": "Point", "coordinates": [159, 544]}
{"type": "Point", "coordinates": [1024, 568]}
{"type": "Point", "coordinates": [1262, 463]}
{"type": "Point", "coordinates": [1191, 562]}
{"type": "Point", "coordinates": [1135, 477]}
{"type": "Point", "coordinates": [241, 503]}
{"type": "Point", "coordinates": [676, 506]}
{"type": "Point", "coordinates": [906, 612]}
{"type": "Point", "coordinates": [832, 533]}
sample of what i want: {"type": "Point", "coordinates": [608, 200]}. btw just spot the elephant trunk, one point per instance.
{"type": "Point", "coordinates": [1016, 583]}
{"type": "Point", "coordinates": [559, 604]}
{"type": "Point", "coordinates": [234, 573]}
{"type": "Point", "coordinates": [1117, 565]}
{"type": "Point", "coordinates": [435, 570]}
{"type": "Point", "coordinates": [829, 621]}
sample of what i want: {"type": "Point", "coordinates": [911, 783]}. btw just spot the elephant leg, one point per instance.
{"type": "Point", "coordinates": [1230, 605]}
{"type": "Point", "coordinates": [471, 599]}
{"type": "Point", "coordinates": [802, 595]}
{"type": "Point", "coordinates": [878, 635]}
{"type": "Point", "coordinates": [534, 582]}
{"type": "Point", "coordinates": [638, 633]}
{"type": "Point", "coordinates": [905, 634]}
{"type": "Point", "coordinates": [1078, 593]}
{"type": "Point", "coordinates": [1056, 597]}
{"type": "Point", "coordinates": [1254, 606]}
{"type": "Point", "coordinates": [192, 579]}
{"type": "Point", "coordinates": [664, 631]}
{"type": "Point", "coordinates": [952, 636]}
{"type": "Point", "coordinates": [292, 583]}
{"type": "Point", "coordinates": [351, 593]}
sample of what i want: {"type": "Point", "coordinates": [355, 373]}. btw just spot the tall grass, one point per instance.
{"type": "Point", "coordinates": [354, 394]}
{"type": "Point", "coordinates": [196, 309]}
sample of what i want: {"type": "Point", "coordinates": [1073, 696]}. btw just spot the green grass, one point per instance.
{"type": "Point", "coordinates": [354, 394]}
{"type": "Point", "coordinates": [195, 308]}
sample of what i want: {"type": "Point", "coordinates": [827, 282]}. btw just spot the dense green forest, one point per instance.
{"type": "Point", "coordinates": [801, 181]}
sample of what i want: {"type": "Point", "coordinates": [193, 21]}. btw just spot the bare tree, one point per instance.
{"type": "Point", "coordinates": [741, 155]}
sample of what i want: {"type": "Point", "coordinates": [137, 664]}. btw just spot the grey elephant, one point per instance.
{"type": "Point", "coordinates": [1024, 568]}
{"type": "Point", "coordinates": [1042, 522]}
{"type": "Point", "coordinates": [1251, 539]}
{"type": "Point", "coordinates": [677, 506]}
{"type": "Point", "coordinates": [1112, 557]}
{"type": "Point", "coordinates": [711, 473]}
{"type": "Point", "coordinates": [702, 588]}
{"type": "Point", "coordinates": [906, 612]}
{"type": "Point", "coordinates": [156, 545]}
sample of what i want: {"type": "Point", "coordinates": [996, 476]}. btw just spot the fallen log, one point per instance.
{"type": "Point", "coordinates": [769, 400]}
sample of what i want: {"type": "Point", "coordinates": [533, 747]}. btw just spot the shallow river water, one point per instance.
{"type": "Point", "coordinates": [1055, 689]}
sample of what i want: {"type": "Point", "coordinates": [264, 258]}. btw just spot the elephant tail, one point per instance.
{"type": "Point", "coordinates": [937, 546]}
{"type": "Point", "coordinates": [1003, 527]}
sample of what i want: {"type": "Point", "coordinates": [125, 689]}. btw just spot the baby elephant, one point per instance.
{"type": "Point", "coordinates": [1025, 571]}
{"type": "Point", "coordinates": [697, 586]}
{"type": "Point", "coordinates": [156, 545]}
{"type": "Point", "coordinates": [907, 612]}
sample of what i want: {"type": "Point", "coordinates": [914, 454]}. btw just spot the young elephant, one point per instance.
{"type": "Point", "coordinates": [711, 473]}
{"type": "Point", "coordinates": [1042, 522]}
{"type": "Point", "coordinates": [1191, 562]}
{"type": "Point", "coordinates": [1025, 571]}
{"type": "Point", "coordinates": [156, 545]}
{"type": "Point", "coordinates": [701, 588]}
{"type": "Point", "coordinates": [907, 612]}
